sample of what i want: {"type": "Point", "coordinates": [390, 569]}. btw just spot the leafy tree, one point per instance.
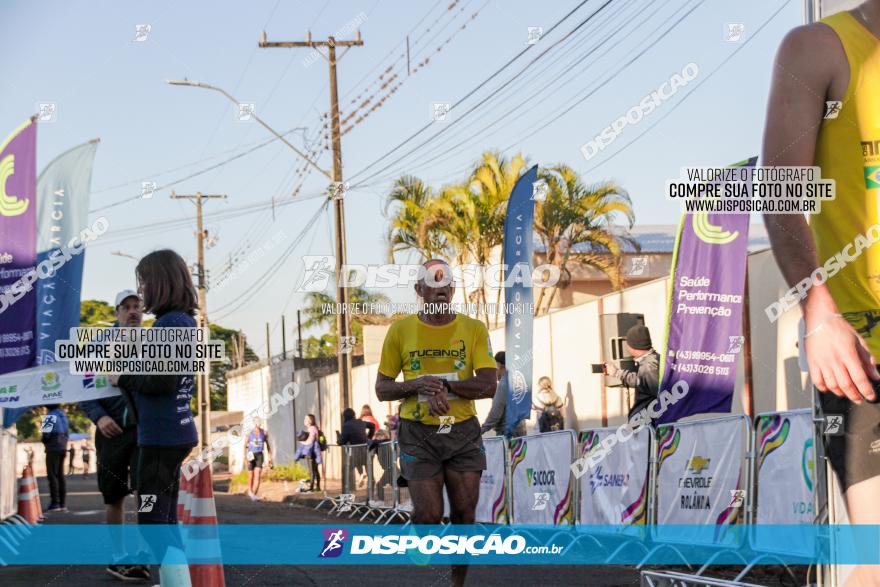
{"type": "Point", "coordinates": [412, 199]}
{"type": "Point", "coordinates": [315, 315]}
{"type": "Point", "coordinates": [573, 214]}
{"type": "Point", "coordinates": [96, 313]}
{"type": "Point", "coordinates": [325, 346]}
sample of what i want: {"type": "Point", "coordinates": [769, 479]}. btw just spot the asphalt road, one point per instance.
{"type": "Point", "coordinates": [86, 507]}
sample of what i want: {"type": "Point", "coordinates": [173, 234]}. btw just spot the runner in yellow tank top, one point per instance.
{"type": "Point", "coordinates": [447, 363]}
{"type": "Point", "coordinates": [824, 109]}
{"type": "Point", "coordinates": [848, 151]}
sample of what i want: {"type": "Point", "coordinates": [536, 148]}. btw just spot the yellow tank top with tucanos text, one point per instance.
{"type": "Point", "coordinates": [848, 151]}
{"type": "Point", "coordinates": [452, 351]}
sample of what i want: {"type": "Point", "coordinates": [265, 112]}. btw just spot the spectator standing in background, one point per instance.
{"type": "Point", "coordinates": [354, 432]}
{"type": "Point", "coordinates": [367, 416]}
{"type": "Point", "coordinates": [86, 450]}
{"type": "Point", "coordinates": [310, 447]}
{"type": "Point", "coordinates": [116, 450]}
{"type": "Point", "coordinates": [496, 420]}
{"type": "Point", "coordinates": [71, 450]}
{"type": "Point", "coordinates": [393, 423]}
{"type": "Point", "coordinates": [551, 405]}
{"type": "Point", "coordinates": [55, 431]}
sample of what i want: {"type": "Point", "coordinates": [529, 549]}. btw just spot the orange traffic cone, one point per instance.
{"type": "Point", "coordinates": [205, 543]}
{"type": "Point", "coordinates": [29, 497]}
{"type": "Point", "coordinates": [183, 500]}
{"type": "Point", "coordinates": [37, 505]}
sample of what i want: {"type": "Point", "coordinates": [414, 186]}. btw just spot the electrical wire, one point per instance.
{"type": "Point", "coordinates": [693, 89]}
{"type": "Point", "coordinates": [432, 156]}
{"type": "Point", "coordinates": [479, 86]}
{"type": "Point", "coordinates": [271, 272]}
{"type": "Point", "coordinates": [191, 175]}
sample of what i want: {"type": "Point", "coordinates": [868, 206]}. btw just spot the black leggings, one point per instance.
{"type": "Point", "coordinates": [314, 472]}
{"type": "Point", "coordinates": [55, 473]}
{"type": "Point", "coordinates": [158, 480]}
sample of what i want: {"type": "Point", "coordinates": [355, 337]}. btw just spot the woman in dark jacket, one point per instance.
{"type": "Point", "coordinates": [166, 431]}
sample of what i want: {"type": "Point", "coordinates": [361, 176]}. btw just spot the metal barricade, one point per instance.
{"type": "Point", "coordinates": [674, 579]}
{"type": "Point", "coordinates": [355, 479]}
{"type": "Point", "coordinates": [381, 468]}
{"type": "Point", "coordinates": [334, 454]}
{"type": "Point", "coordinates": [666, 534]}
{"type": "Point", "coordinates": [402, 501]}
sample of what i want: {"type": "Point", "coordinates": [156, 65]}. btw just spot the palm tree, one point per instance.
{"type": "Point", "coordinates": [412, 198]}
{"type": "Point", "coordinates": [488, 190]}
{"type": "Point", "coordinates": [576, 214]}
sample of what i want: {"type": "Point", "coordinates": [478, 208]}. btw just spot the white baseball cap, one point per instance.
{"type": "Point", "coordinates": [124, 295]}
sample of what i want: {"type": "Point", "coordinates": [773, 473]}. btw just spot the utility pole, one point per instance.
{"type": "Point", "coordinates": [203, 384]}
{"type": "Point", "coordinates": [268, 347]}
{"type": "Point", "coordinates": [343, 324]}
{"type": "Point", "coordinates": [299, 335]}
{"type": "Point", "coordinates": [283, 339]}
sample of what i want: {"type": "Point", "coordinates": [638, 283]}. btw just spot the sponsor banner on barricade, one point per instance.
{"type": "Point", "coordinates": [785, 465]}
{"type": "Point", "coordinates": [51, 384]}
{"type": "Point", "coordinates": [701, 479]}
{"type": "Point", "coordinates": [615, 491]}
{"type": "Point", "coordinates": [541, 479]}
{"type": "Point", "coordinates": [492, 506]}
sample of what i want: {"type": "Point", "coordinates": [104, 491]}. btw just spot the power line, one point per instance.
{"type": "Point", "coordinates": [393, 49]}
{"type": "Point", "coordinates": [696, 86]}
{"type": "Point", "coordinates": [192, 175]}
{"type": "Point", "coordinates": [190, 164]}
{"type": "Point", "coordinates": [471, 93]}
{"type": "Point", "coordinates": [129, 232]}
{"type": "Point", "coordinates": [393, 89]}
{"type": "Point", "coordinates": [240, 79]}
{"type": "Point", "coordinates": [274, 269]}
{"type": "Point", "coordinates": [432, 155]}
{"type": "Point", "coordinates": [299, 275]}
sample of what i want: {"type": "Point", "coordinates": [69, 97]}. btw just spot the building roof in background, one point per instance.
{"type": "Point", "coordinates": [660, 238]}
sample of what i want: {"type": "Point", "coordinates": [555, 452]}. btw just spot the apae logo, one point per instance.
{"type": "Point", "coordinates": [49, 381]}
{"type": "Point", "coordinates": [333, 542]}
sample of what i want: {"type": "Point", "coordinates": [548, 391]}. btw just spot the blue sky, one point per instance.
{"type": "Point", "coordinates": [81, 56]}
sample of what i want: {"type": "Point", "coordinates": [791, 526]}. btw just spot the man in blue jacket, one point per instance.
{"type": "Point", "coordinates": [55, 431]}
{"type": "Point", "coordinates": [116, 446]}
